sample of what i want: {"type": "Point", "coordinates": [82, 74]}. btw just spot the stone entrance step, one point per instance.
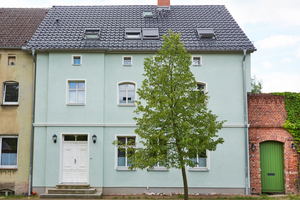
{"type": "Point", "coordinates": [72, 186]}
{"type": "Point", "coordinates": [72, 191]}
{"type": "Point", "coordinates": [97, 195]}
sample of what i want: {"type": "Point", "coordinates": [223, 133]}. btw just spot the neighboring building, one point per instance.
{"type": "Point", "coordinates": [273, 157]}
{"type": "Point", "coordinates": [89, 65]}
{"type": "Point", "coordinates": [16, 80]}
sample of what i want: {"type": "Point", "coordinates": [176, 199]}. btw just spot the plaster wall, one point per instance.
{"type": "Point", "coordinates": [101, 115]}
{"type": "Point", "coordinates": [16, 119]}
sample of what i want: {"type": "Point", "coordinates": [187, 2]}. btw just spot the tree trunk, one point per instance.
{"type": "Point", "coordinates": [185, 185]}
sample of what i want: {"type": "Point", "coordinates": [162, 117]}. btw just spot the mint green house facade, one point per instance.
{"type": "Point", "coordinates": [88, 70]}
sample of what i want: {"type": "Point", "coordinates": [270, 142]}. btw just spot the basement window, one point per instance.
{"type": "Point", "coordinates": [150, 33]}
{"type": "Point", "coordinates": [133, 33]}
{"type": "Point", "coordinates": [92, 34]}
{"type": "Point", "coordinates": [147, 13]}
{"type": "Point", "coordinates": [206, 33]}
{"type": "Point", "coordinates": [11, 61]}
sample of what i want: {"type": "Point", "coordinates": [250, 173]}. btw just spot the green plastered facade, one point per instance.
{"type": "Point", "coordinates": [102, 116]}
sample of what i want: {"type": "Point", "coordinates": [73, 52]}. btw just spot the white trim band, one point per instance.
{"type": "Point", "coordinates": [115, 125]}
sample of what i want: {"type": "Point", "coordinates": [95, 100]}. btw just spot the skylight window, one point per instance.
{"type": "Point", "coordinates": [147, 14]}
{"type": "Point", "coordinates": [92, 34]}
{"type": "Point", "coordinates": [206, 33]}
{"type": "Point", "coordinates": [150, 33]}
{"type": "Point", "coordinates": [133, 33]}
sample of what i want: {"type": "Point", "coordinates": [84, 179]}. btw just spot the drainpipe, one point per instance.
{"type": "Point", "coordinates": [32, 119]}
{"type": "Point", "coordinates": [246, 123]}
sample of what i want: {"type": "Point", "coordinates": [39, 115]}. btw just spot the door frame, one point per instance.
{"type": "Point", "coordinates": [61, 154]}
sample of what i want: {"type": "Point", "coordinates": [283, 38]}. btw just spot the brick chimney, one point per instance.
{"type": "Point", "coordinates": [163, 3]}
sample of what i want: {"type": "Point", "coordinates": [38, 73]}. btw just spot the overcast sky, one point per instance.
{"type": "Point", "coordinates": [273, 26]}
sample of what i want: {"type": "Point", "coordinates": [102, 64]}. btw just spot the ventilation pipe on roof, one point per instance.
{"type": "Point", "coordinates": [32, 120]}
{"type": "Point", "coordinates": [246, 123]}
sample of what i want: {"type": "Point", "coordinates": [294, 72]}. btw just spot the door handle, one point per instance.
{"type": "Point", "coordinates": [75, 161]}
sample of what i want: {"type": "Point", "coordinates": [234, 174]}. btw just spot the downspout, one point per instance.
{"type": "Point", "coordinates": [32, 120]}
{"type": "Point", "coordinates": [246, 124]}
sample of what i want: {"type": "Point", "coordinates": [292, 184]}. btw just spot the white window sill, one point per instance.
{"type": "Point", "coordinates": [198, 169]}
{"type": "Point", "coordinates": [75, 104]}
{"type": "Point", "coordinates": [197, 65]}
{"type": "Point", "coordinates": [10, 104]}
{"type": "Point", "coordinates": [76, 64]}
{"type": "Point", "coordinates": [159, 169]}
{"type": "Point", "coordinates": [127, 104]}
{"type": "Point", "coordinates": [124, 169]}
{"type": "Point", "coordinates": [8, 167]}
{"type": "Point", "coordinates": [127, 65]}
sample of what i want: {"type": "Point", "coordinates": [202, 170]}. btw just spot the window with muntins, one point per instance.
{"type": "Point", "coordinates": [127, 60]}
{"type": "Point", "coordinates": [76, 92]}
{"type": "Point", "coordinates": [125, 152]}
{"type": "Point", "coordinates": [126, 93]}
{"type": "Point", "coordinates": [10, 93]}
{"type": "Point", "coordinates": [201, 87]}
{"type": "Point", "coordinates": [196, 60]}
{"type": "Point", "coordinates": [9, 151]}
{"type": "Point", "coordinates": [160, 142]}
{"type": "Point", "coordinates": [202, 160]}
{"type": "Point", "coordinates": [76, 60]}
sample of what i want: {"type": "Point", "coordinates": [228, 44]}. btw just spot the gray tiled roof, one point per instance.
{"type": "Point", "coordinates": [63, 28]}
{"type": "Point", "coordinates": [17, 25]}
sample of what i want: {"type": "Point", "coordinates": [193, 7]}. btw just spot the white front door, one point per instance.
{"type": "Point", "coordinates": [75, 159]}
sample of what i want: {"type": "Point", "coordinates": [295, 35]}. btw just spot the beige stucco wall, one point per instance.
{"type": "Point", "coordinates": [16, 120]}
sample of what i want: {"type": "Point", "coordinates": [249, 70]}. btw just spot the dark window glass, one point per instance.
{"type": "Point", "coordinates": [9, 149]}
{"type": "Point", "coordinates": [69, 137]}
{"type": "Point", "coordinates": [11, 92]}
{"type": "Point", "coordinates": [82, 137]}
{"type": "Point", "coordinates": [200, 87]}
{"type": "Point", "coordinates": [122, 139]}
{"type": "Point", "coordinates": [131, 140]}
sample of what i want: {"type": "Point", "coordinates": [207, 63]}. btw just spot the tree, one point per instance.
{"type": "Point", "coordinates": [176, 124]}
{"type": "Point", "coordinates": [256, 85]}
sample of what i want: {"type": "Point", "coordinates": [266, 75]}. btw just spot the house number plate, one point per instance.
{"type": "Point", "coordinates": [271, 174]}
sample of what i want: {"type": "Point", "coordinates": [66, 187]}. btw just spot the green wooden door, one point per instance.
{"type": "Point", "coordinates": [271, 164]}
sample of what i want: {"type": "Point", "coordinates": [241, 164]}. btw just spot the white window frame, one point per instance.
{"type": "Point", "coordinates": [4, 92]}
{"type": "Point", "coordinates": [73, 63]}
{"type": "Point", "coordinates": [9, 166]}
{"type": "Point", "coordinates": [205, 86]}
{"type": "Point", "coordinates": [123, 61]}
{"type": "Point", "coordinates": [202, 169]}
{"type": "Point", "coordinates": [197, 56]}
{"type": "Point", "coordinates": [118, 93]}
{"type": "Point", "coordinates": [67, 90]}
{"type": "Point", "coordinates": [124, 168]}
{"type": "Point", "coordinates": [8, 60]}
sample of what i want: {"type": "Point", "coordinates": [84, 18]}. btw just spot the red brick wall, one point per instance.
{"type": "Point", "coordinates": [266, 115]}
{"type": "Point", "coordinates": [163, 2]}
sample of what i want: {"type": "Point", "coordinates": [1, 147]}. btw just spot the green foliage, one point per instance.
{"type": "Point", "coordinates": [176, 123]}
{"type": "Point", "coordinates": [256, 85]}
{"type": "Point", "coordinates": [292, 107]}
{"type": "Point", "coordinates": [292, 123]}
